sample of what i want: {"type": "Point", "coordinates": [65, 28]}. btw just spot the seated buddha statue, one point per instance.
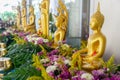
{"type": "Point", "coordinates": [31, 26]}
{"type": "Point", "coordinates": [61, 23]}
{"type": "Point", "coordinates": [89, 58]}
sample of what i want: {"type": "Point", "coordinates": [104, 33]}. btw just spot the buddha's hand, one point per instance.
{"type": "Point", "coordinates": [88, 59]}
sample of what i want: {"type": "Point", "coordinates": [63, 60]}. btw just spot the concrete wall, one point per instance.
{"type": "Point", "coordinates": [111, 27]}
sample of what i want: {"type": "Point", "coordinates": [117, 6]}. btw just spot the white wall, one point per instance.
{"type": "Point", "coordinates": [111, 27]}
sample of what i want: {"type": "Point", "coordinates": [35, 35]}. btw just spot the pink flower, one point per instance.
{"type": "Point", "coordinates": [25, 39]}
{"type": "Point", "coordinates": [39, 53]}
{"type": "Point", "coordinates": [64, 41]}
{"type": "Point", "coordinates": [53, 52]}
{"type": "Point", "coordinates": [38, 69]}
{"type": "Point", "coordinates": [40, 41]}
{"type": "Point", "coordinates": [21, 34]}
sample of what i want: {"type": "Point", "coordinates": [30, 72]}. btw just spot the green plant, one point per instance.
{"type": "Point", "coordinates": [83, 44]}
{"type": "Point", "coordinates": [1, 30]}
{"type": "Point", "coordinates": [22, 53]}
{"type": "Point", "coordinates": [118, 68]}
{"type": "Point", "coordinates": [7, 15]}
{"type": "Point", "coordinates": [22, 73]}
{"type": "Point", "coordinates": [110, 64]}
{"type": "Point", "coordinates": [7, 39]}
{"type": "Point", "coordinates": [35, 78]}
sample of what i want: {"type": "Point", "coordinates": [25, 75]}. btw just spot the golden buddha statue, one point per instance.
{"type": "Point", "coordinates": [95, 47]}
{"type": "Point", "coordinates": [31, 26]}
{"type": "Point", "coordinates": [44, 21]}
{"type": "Point", "coordinates": [18, 17]}
{"type": "Point", "coordinates": [61, 23]}
{"type": "Point", "coordinates": [23, 14]}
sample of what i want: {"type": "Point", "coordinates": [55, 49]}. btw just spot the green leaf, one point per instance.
{"type": "Point", "coordinates": [22, 73]}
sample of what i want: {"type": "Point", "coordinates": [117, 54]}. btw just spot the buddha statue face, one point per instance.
{"type": "Point", "coordinates": [97, 20]}
{"type": "Point", "coordinates": [59, 20]}
{"type": "Point", "coordinates": [94, 24]}
{"type": "Point", "coordinates": [31, 9]}
{"type": "Point", "coordinates": [23, 2]}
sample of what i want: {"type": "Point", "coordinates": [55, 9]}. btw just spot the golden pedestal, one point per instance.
{"type": "Point", "coordinates": [5, 63]}
{"type": "Point", "coordinates": [2, 45]}
{"type": "Point", "coordinates": [3, 52]}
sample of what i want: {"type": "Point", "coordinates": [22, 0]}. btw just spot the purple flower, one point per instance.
{"type": "Point", "coordinates": [39, 53]}
{"type": "Point", "coordinates": [75, 78]}
{"type": "Point", "coordinates": [21, 34]}
{"type": "Point", "coordinates": [99, 74]}
{"type": "Point", "coordinates": [51, 74]}
{"type": "Point", "coordinates": [40, 41]}
{"type": "Point", "coordinates": [107, 78]}
{"type": "Point", "coordinates": [53, 58]}
{"type": "Point", "coordinates": [53, 52]}
{"type": "Point", "coordinates": [15, 31]}
{"type": "Point", "coordinates": [64, 41]}
{"type": "Point", "coordinates": [25, 38]}
{"type": "Point", "coordinates": [80, 72]}
{"type": "Point", "coordinates": [49, 43]}
{"type": "Point", "coordinates": [47, 64]}
{"type": "Point", "coordinates": [115, 77]}
{"type": "Point", "coordinates": [65, 74]}
{"type": "Point", "coordinates": [33, 41]}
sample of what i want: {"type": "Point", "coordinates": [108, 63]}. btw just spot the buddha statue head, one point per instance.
{"type": "Point", "coordinates": [60, 20]}
{"type": "Point", "coordinates": [97, 20]}
{"type": "Point", "coordinates": [31, 9]}
{"type": "Point", "coordinates": [23, 2]}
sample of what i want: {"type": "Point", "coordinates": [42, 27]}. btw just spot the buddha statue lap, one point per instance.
{"type": "Point", "coordinates": [31, 26]}
{"type": "Point", "coordinates": [95, 47]}
{"type": "Point", "coordinates": [61, 23]}
{"type": "Point", "coordinates": [24, 17]}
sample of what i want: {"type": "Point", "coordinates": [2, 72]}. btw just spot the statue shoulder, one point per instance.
{"type": "Point", "coordinates": [103, 36]}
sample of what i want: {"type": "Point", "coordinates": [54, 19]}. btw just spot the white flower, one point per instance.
{"type": "Point", "coordinates": [87, 76]}
{"type": "Point", "coordinates": [51, 68]}
{"type": "Point", "coordinates": [67, 61]}
{"type": "Point", "coordinates": [55, 63]}
{"type": "Point", "coordinates": [29, 38]}
{"type": "Point", "coordinates": [5, 33]}
{"type": "Point", "coordinates": [35, 39]}
{"type": "Point", "coordinates": [66, 45]}
{"type": "Point", "coordinates": [45, 40]}
{"type": "Point", "coordinates": [44, 60]}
